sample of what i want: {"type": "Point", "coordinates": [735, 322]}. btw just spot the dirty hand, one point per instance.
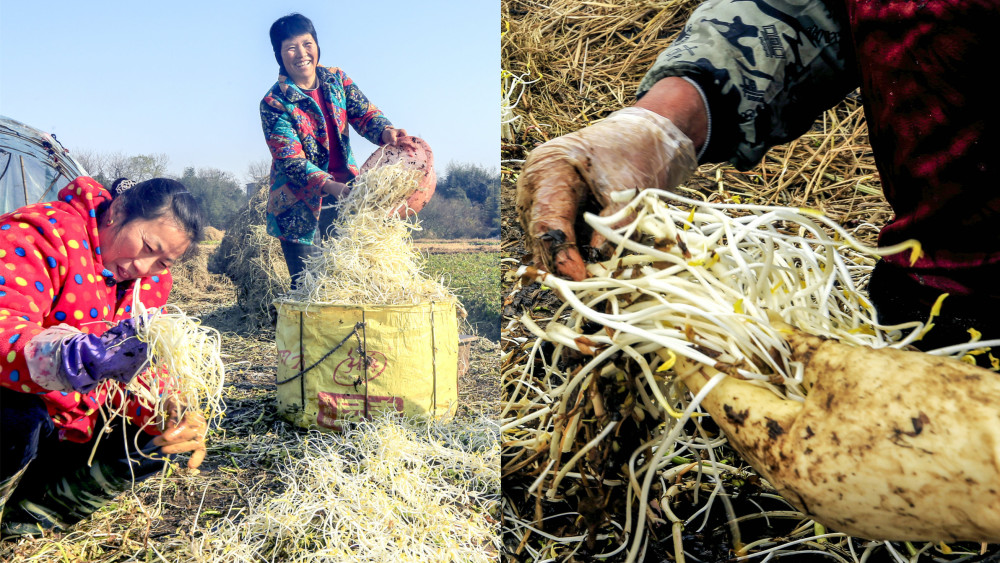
{"type": "Point", "coordinates": [393, 136]}
{"type": "Point", "coordinates": [888, 445]}
{"type": "Point", "coordinates": [633, 148]}
{"type": "Point", "coordinates": [184, 434]}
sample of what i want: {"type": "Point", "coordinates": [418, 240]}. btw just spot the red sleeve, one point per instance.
{"type": "Point", "coordinates": [34, 261]}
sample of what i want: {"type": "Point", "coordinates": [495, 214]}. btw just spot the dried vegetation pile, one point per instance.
{"type": "Point", "coordinates": [253, 260]}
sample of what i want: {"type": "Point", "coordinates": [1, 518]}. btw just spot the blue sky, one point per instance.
{"type": "Point", "coordinates": [185, 78]}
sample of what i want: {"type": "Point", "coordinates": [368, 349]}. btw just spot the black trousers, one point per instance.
{"type": "Point", "coordinates": [296, 253]}
{"type": "Point", "coordinates": [899, 299]}
{"type": "Point", "coordinates": [55, 473]}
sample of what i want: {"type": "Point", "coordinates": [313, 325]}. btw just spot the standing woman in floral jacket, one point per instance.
{"type": "Point", "coordinates": [305, 117]}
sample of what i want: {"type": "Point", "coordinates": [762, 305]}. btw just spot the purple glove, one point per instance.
{"type": "Point", "coordinates": [117, 354]}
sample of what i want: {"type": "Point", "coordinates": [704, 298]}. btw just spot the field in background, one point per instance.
{"type": "Point", "coordinates": [475, 277]}
{"type": "Point", "coordinates": [453, 246]}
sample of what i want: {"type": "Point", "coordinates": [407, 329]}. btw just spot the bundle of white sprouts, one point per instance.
{"type": "Point", "coordinates": [185, 370]}
{"type": "Point", "coordinates": [387, 489]}
{"type": "Point", "coordinates": [511, 90]}
{"type": "Point", "coordinates": [693, 280]}
{"type": "Point", "coordinates": [371, 260]}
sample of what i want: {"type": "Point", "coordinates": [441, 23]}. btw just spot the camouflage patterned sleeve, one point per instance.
{"type": "Point", "coordinates": [766, 68]}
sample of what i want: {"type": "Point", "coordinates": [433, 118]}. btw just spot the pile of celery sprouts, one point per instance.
{"type": "Point", "coordinates": [371, 259]}
{"type": "Point", "coordinates": [385, 489]}
{"type": "Point", "coordinates": [686, 279]}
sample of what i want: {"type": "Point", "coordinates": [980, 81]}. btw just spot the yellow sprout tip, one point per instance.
{"type": "Point", "coordinates": [936, 309]}
{"type": "Point", "coordinates": [915, 252]}
{"type": "Point", "coordinates": [810, 211]}
{"type": "Point", "coordinates": [668, 362]}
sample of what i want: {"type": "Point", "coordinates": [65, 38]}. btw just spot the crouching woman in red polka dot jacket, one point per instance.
{"type": "Point", "coordinates": [68, 269]}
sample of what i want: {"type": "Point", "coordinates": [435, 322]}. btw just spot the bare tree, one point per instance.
{"type": "Point", "coordinates": [107, 166]}
{"type": "Point", "coordinates": [259, 170]}
{"type": "Point", "coordinates": [145, 166]}
{"type": "Point", "coordinates": [258, 174]}
{"type": "Point", "coordinates": [92, 161]}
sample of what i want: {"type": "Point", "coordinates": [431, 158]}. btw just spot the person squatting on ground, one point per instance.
{"type": "Point", "coordinates": [68, 345]}
{"type": "Point", "coordinates": [743, 77]}
{"type": "Point", "coordinates": [305, 117]}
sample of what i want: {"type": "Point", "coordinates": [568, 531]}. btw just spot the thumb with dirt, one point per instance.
{"type": "Point", "coordinates": [651, 145]}
{"type": "Point", "coordinates": [633, 148]}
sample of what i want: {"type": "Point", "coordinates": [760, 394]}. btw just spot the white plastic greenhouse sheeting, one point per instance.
{"type": "Point", "coordinates": [33, 165]}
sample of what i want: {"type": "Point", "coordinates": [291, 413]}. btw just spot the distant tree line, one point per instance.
{"type": "Point", "coordinates": [220, 194]}
{"type": "Point", "coordinates": [108, 167]}
{"type": "Point", "coordinates": [466, 204]}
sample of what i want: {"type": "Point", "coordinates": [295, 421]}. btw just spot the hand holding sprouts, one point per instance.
{"type": "Point", "coordinates": [371, 260]}
{"type": "Point", "coordinates": [182, 386]}
{"type": "Point", "coordinates": [702, 293]}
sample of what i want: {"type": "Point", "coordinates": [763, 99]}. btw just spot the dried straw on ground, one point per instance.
{"type": "Point", "coordinates": [213, 234]}
{"type": "Point", "coordinates": [583, 59]}
{"type": "Point", "coordinates": [388, 489]}
{"type": "Point", "coordinates": [193, 283]}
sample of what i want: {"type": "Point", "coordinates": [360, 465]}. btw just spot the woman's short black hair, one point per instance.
{"type": "Point", "coordinates": [159, 197]}
{"type": "Point", "coordinates": [291, 25]}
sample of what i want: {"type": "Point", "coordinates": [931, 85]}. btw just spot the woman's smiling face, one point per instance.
{"type": "Point", "coordinates": [300, 56]}
{"type": "Point", "coordinates": [141, 247]}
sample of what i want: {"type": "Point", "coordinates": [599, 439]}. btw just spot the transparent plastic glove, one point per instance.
{"type": "Point", "coordinates": [888, 445]}
{"type": "Point", "coordinates": [633, 148]}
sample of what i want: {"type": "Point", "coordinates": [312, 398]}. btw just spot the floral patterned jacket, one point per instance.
{"type": "Point", "coordinates": [51, 274]}
{"type": "Point", "coordinates": [296, 135]}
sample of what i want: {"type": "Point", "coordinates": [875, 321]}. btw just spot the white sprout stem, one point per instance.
{"type": "Point", "coordinates": [185, 367]}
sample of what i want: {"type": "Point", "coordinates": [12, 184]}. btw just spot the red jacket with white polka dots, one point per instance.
{"type": "Point", "coordinates": [50, 274]}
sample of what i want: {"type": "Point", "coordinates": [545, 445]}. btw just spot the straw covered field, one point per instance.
{"type": "Point", "coordinates": [588, 402]}
{"type": "Point", "coordinates": [390, 489]}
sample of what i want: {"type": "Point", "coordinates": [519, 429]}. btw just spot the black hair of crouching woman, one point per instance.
{"type": "Point", "coordinates": [155, 198]}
